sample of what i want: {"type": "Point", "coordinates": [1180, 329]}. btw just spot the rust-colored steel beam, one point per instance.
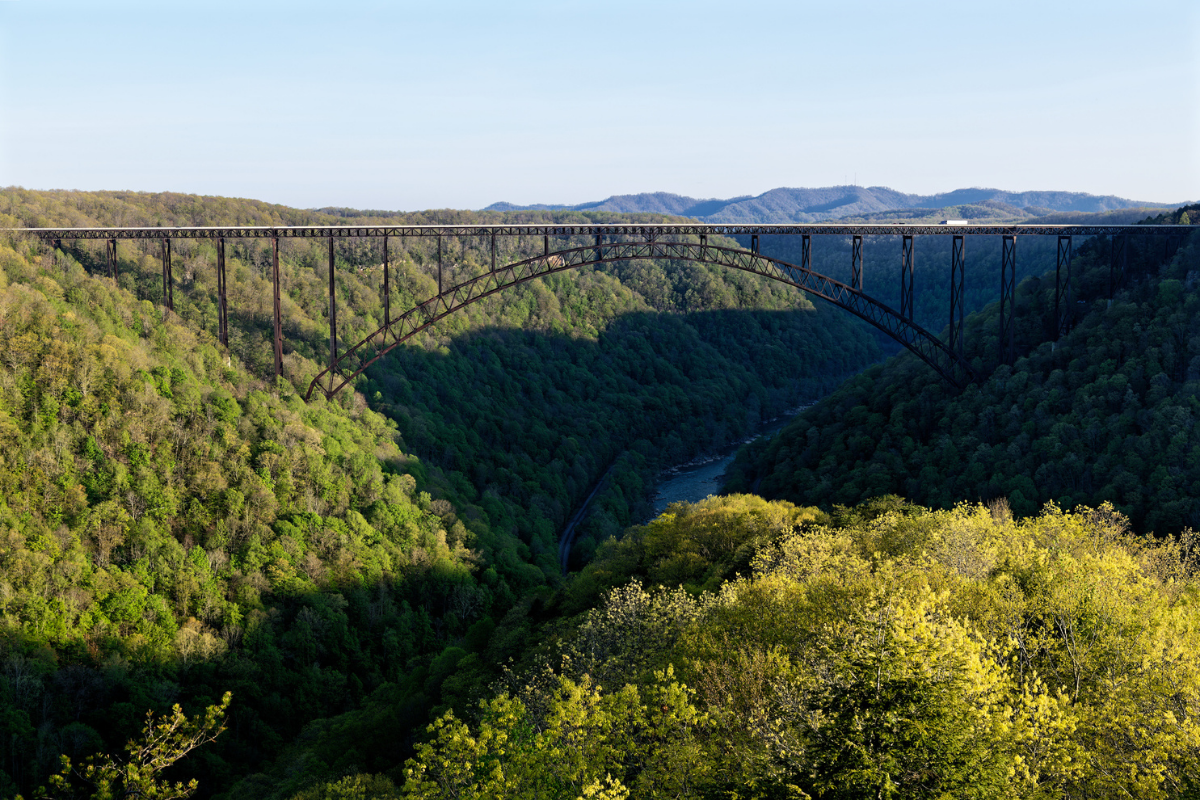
{"type": "Point", "coordinates": [362, 355]}
{"type": "Point", "coordinates": [1008, 299]}
{"type": "Point", "coordinates": [387, 289]}
{"type": "Point", "coordinates": [278, 307]}
{"type": "Point", "coordinates": [168, 281]}
{"type": "Point", "coordinates": [856, 264]}
{"type": "Point", "coordinates": [957, 297]}
{"type": "Point", "coordinates": [1118, 260]}
{"type": "Point", "coordinates": [1064, 305]}
{"type": "Point", "coordinates": [332, 310]}
{"type": "Point", "coordinates": [222, 301]}
{"type": "Point", "coordinates": [612, 230]}
{"type": "Point", "coordinates": [906, 278]}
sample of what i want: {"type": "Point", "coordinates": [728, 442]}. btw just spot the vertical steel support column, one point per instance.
{"type": "Point", "coordinates": [278, 306]}
{"type": "Point", "coordinates": [332, 311]}
{"type": "Point", "coordinates": [906, 278]}
{"type": "Point", "coordinates": [112, 258]}
{"type": "Point", "coordinates": [222, 307]}
{"type": "Point", "coordinates": [1116, 266]}
{"type": "Point", "coordinates": [493, 251]}
{"type": "Point", "coordinates": [1064, 307]}
{"type": "Point", "coordinates": [806, 252]}
{"type": "Point", "coordinates": [545, 245]}
{"type": "Point", "coordinates": [957, 268]}
{"type": "Point", "coordinates": [856, 266]}
{"type": "Point", "coordinates": [599, 252]}
{"type": "Point", "coordinates": [1008, 298]}
{"type": "Point", "coordinates": [439, 238]}
{"type": "Point", "coordinates": [754, 243]}
{"type": "Point", "coordinates": [168, 283]}
{"type": "Point", "coordinates": [387, 285]}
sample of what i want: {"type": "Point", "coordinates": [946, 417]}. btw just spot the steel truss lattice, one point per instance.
{"type": "Point", "coordinates": [1064, 305]}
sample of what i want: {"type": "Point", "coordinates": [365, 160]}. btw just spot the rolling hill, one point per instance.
{"type": "Point", "coordinates": [841, 202]}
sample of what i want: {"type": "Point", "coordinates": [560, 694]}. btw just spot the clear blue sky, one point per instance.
{"type": "Point", "coordinates": [449, 103]}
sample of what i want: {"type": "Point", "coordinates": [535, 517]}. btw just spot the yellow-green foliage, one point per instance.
{"type": "Point", "coordinates": [693, 544]}
{"type": "Point", "coordinates": [890, 652]}
{"type": "Point", "coordinates": [587, 742]}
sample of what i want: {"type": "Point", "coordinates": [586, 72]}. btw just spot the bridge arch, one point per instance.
{"type": "Point", "coordinates": [950, 366]}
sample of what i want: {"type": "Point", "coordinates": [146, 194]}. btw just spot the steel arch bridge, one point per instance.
{"type": "Point", "coordinates": [395, 332]}
{"type": "Point", "coordinates": [626, 242]}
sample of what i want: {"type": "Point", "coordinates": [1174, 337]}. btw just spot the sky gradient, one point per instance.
{"type": "Point", "coordinates": [460, 104]}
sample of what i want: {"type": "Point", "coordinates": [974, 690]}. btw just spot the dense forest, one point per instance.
{"type": "Point", "coordinates": [360, 597]}
{"type": "Point", "coordinates": [1106, 413]}
{"type": "Point", "coordinates": [173, 529]}
{"type": "Point", "coordinates": [520, 402]}
{"type": "Point", "coordinates": [751, 649]}
{"type": "Point", "coordinates": [887, 651]}
{"type": "Point", "coordinates": [177, 525]}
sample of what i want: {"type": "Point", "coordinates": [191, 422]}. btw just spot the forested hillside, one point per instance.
{"type": "Point", "coordinates": [884, 651]}
{"type": "Point", "coordinates": [513, 400]}
{"type": "Point", "coordinates": [1105, 414]}
{"type": "Point", "coordinates": [173, 528]}
{"type": "Point", "coordinates": [177, 525]}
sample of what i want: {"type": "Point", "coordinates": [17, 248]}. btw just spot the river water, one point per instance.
{"type": "Point", "coordinates": [703, 476]}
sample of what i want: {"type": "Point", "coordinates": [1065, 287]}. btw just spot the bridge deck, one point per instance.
{"type": "Point", "coordinates": [616, 229]}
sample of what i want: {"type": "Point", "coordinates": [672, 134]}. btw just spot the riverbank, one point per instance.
{"type": "Point", "coordinates": [703, 475]}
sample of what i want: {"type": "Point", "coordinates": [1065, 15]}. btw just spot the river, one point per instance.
{"type": "Point", "coordinates": [703, 476]}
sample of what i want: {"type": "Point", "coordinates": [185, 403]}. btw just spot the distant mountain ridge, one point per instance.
{"type": "Point", "coordinates": [839, 202]}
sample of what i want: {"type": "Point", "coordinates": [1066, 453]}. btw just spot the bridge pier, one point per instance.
{"type": "Point", "coordinates": [957, 268]}
{"type": "Point", "coordinates": [806, 252]}
{"type": "Point", "coordinates": [1116, 267]}
{"type": "Point", "coordinates": [112, 259]}
{"type": "Point", "coordinates": [168, 282]}
{"type": "Point", "coordinates": [332, 311]}
{"type": "Point", "coordinates": [1173, 243]}
{"type": "Point", "coordinates": [856, 266]}
{"type": "Point", "coordinates": [387, 287]}
{"type": "Point", "coordinates": [906, 278]}
{"type": "Point", "coordinates": [222, 309]}
{"type": "Point", "coordinates": [1064, 308]}
{"type": "Point", "coordinates": [439, 240]}
{"type": "Point", "coordinates": [1008, 298]}
{"type": "Point", "coordinates": [754, 244]}
{"type": "Point", "coordinates": [278, 306]}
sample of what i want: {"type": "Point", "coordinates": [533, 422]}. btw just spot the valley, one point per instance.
{"type": "Point", "coordinates": [379, 578]}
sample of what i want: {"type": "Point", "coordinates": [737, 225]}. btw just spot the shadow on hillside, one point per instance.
{"type": "Point", "coordinates": [529, 420]}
